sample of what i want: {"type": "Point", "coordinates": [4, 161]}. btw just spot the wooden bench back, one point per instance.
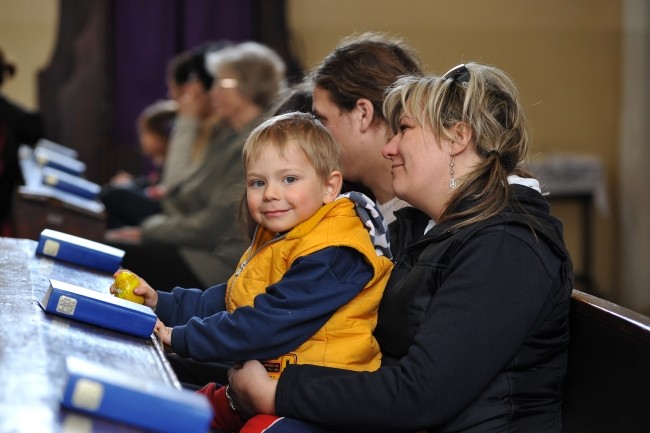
{"type": "Point", "coordinates": [607, 387]}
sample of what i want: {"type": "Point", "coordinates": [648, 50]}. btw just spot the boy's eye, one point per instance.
{"type": "Point", "coordinates": [290, 179]}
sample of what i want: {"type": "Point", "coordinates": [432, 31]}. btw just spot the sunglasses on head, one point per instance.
{"type": "Point", "coordinates": [459, 74]}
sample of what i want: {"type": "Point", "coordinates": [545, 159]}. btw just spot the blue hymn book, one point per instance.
{"type": "Point", "coordinates": [80, 251]}
{"type": "Point", "coordinates": [47, 157]}
{"type": "Point", "coordinates": [70, 183]}
{"type": "Point", "coordinates": [105, 392]}
{"type": "Point", "coordinates": [97, 308]}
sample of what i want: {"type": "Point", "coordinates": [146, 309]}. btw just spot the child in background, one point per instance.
{"type": "Point", "coordinates": [130, 199]}
{"type": "Point", "coordinates": [307, 289]}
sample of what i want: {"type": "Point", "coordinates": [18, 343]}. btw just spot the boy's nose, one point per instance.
{"type": "Point", "coordinates": [270, 191]}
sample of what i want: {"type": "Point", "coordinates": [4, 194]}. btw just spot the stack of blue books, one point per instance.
{"type": "Point", "coordinates": [61, 170]}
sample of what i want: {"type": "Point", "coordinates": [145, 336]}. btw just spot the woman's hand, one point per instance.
{"type": "Point", "coordinates": [143, 289]}
{"type": "Point", "coordinates": [252, 390]}
{"type": "Point", "coordinates": [194, 101]}
{"type": "Point", "coordinates": [122, 178]}
{"type": "Point", "coordinates": [128, 235]}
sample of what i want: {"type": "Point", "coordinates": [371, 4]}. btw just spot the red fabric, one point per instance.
{"type": "Point", "coordinates": [224, 417]}
{"type": "Point", "coordinates": [259, 423]}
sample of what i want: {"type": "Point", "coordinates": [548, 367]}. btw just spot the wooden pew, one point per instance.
{"type": "Point", "coordinates": [37, 206]}
{"type": "Point", "coordinates": [607, 387]}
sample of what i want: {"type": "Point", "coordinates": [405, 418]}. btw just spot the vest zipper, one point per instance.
{"type": "Point", "coordinates": [245, 262]}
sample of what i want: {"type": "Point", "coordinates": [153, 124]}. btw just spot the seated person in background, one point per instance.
{"type": "Point", "coordinates": [188, 82]}
{"type": "Point", "coordinates": [474, 321]}
{"type": "Point", "coordinates": [194, 241]}
{"type": "Point", "coordinates": [307, 289]}
{"type": "Point", "coordinates": [129, 199]}
{"type": "Point", "coordinates": [17, 126]}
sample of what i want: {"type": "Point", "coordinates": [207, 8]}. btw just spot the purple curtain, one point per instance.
{"type": "Point", "coordinates": [147, 33]}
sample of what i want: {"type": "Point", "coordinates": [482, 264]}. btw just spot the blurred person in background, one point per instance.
{"type": "Point", "coordinates": [17, 126]}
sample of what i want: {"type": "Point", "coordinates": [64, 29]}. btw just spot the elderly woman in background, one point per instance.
{"type": "Point", "coordinates": [473, 325]}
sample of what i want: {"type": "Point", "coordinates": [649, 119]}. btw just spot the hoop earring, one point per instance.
{"type": "Point", "coordinates": [452, 181]}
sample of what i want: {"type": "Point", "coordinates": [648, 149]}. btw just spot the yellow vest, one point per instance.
{"type": "Point", "coordinates": [346, 340]}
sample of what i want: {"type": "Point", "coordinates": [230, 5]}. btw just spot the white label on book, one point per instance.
{"type": "Point", "coordinates": [87, 394]}
{"type": "Point", "coordinates": [73, 423]}
{"type": "Point", "coordinates": [51, 180]}
{"type": "Point", "coordinates": [66, 305]}
{"type": "Point", "coordinates": [51, 248]}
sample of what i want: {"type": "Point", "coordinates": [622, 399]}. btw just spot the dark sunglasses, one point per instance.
{"type": "Point", "coordinates": [459, 74]}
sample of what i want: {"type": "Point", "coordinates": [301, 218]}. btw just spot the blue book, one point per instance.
{"type": "Point", "coordinates": [70, 183]}
{"type": "Point", "coordinates": [97, 308]}
{"type": "Point", "coordinates": [80, 251]}
{"type": "Point", "coordinates": [47, 157]}
{"type": "Point", "coordinates": [105, 392]}
{"type": "Point", "coordinates": [56, 147]}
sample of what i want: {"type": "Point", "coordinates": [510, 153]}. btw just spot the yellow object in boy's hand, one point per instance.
{"type": "Point", "coordinates": [124, 284]}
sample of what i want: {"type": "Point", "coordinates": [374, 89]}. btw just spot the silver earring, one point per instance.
{"type": "Point", "coordinates": [452, 181]}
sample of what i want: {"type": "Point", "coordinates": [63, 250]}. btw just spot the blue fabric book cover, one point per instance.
{"type": "Point", "coordinates": [58, 148]}
{"type": "Point", "coordinates": [100, 309]}
{"type": "Point", "coordinates": [80, 251]}
{"type": "Point", "coordinates": [100, 391]}
{"type": "Point", "coordinates": [52, 158]}
{"type": "Point", "coordinates": [70, 183]}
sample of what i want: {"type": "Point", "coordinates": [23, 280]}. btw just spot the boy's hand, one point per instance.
{"type": "Point", "coordinates": [143, 289]}
{"type": "Point", "coordinates": [163, 333]}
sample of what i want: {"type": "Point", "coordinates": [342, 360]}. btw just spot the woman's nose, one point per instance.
{"type": "Point", "coordinates": [390, 148]}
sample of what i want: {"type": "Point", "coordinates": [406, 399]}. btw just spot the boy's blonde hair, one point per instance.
{"type": "Point", "coordinates": [302, 128]}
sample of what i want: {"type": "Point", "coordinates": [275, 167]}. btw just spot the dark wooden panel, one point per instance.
{"type": "Point", "coordinates": [608, 378]}
{"type": "Point", "coordinates": [32, 214]}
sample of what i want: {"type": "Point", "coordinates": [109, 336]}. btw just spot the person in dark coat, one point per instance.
{"type": "Point", "coordinates": [17, 126]}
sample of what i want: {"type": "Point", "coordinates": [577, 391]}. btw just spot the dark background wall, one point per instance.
{"type": "Point", "coordinates": [109, 63]}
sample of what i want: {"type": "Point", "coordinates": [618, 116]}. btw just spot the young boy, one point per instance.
{"type": "Point", "coordinates": [307, 289]}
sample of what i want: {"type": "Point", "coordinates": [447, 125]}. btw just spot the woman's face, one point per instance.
{"type": "Point", "coordinates": [420, 167]}
{"type": "Point", "coordinates": [227, 99]}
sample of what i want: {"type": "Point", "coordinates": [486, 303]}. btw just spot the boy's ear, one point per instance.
{"type": "Point", "coordinates": [333, 187]}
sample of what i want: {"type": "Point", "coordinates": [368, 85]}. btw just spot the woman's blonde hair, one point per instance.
{"type": "Point", "coordinates": [302, 128]}
{"type": "Point", "coordinates": [485, 99]}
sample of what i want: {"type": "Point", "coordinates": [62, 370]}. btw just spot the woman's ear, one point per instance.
{"type": "Point", "coordinates": [333, 186]}
{"type": "Point", "coordinates": [462, 134]}
{"type": "Point", "coordinates": [366, 113]}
